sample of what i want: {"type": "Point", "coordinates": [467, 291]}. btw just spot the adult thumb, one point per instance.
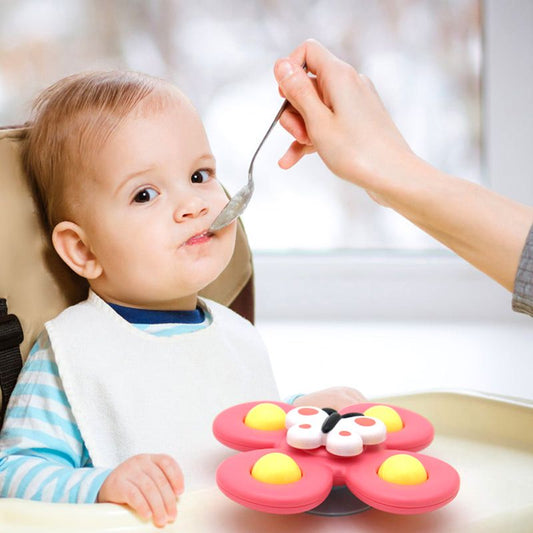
{"type": "Point", "coordinates": [298, 89]}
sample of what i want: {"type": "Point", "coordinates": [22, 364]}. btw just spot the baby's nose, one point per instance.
{"type": "Point", "coordinates": [191, 208]}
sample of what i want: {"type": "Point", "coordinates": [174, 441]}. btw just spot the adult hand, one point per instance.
{"type": "Point", "coordinates": [340, 115]}
{"type": "Point", "coordinates": [149, 484]}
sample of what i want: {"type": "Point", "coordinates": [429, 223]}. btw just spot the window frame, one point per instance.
{"type": "Point", "coordinates": [433, 285]}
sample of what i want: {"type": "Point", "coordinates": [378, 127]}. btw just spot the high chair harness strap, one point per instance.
{"type": "Point", "coordinates": [11, 336]}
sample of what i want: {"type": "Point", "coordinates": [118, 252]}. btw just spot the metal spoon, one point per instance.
{"type": "Point", "coordinates": [236, 206]}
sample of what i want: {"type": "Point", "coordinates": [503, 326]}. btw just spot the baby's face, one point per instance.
{"type": "Point", "coordinates": [147, 207]}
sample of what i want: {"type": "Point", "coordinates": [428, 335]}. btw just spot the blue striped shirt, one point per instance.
{"type": "Point", "coordinates": [42, 452]}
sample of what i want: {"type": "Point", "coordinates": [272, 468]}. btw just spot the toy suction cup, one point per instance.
{"type": "Point", "coordinates": [340, 502]}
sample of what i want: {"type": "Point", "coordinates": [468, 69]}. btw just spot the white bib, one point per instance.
{"type": "Point", "coordinates": [132, 392]}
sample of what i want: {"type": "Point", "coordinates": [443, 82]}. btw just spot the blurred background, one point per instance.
{"type": "Point", "coordinates": [344, 288]}
{"type": "Point", "coordinates": [424, 56]}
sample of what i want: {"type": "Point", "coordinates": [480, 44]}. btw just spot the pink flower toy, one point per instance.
{"type": "Point", "coordinates": [296, 459]}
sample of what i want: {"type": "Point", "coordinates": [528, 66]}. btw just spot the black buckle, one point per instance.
{"type": "Point", "coordinates": [11, 335]}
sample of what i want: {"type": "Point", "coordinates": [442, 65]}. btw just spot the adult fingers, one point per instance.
{"type": "Point", "coordinates": [292, 121]}
{"type": "Point", "coordinates": [368, 82]}
{"type": "Point", "coordinates": [299, 90]}
{"type": "Point", "coordinates": [315, 56]}
{"type": "Point", "coordinates": [295, 152]}
{"type": "Point", "coordinates": [334, 78]}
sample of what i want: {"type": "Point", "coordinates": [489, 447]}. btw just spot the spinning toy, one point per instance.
{"type": "Point", "coordinates": [296, 459]}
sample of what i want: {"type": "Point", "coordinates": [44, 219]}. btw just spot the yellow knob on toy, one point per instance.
{"type": "Point", "coordinates": [403, 469]}
{"type": "Point", "coordinates": [265, 416]}
{"type": "Point", "coordinates": [387, 415]}
{"type": "Point", "coordinates": [276, 468]}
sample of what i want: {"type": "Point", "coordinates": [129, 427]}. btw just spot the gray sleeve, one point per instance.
{"type": "Point", "coordinates": [523, 284]}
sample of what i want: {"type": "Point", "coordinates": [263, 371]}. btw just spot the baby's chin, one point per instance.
{"type": "Point", "coordinates": [204, 271]}
{"type": "Point", "coordinates": [198, 281]}
{"type": "Point", "coordinates": [204, 286]}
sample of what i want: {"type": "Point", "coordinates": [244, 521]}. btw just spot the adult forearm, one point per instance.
{"type": "Point", "coordinates": [483, 227]}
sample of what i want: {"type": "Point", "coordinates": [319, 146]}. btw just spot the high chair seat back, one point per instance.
{"type": "Point", "coordinates": [38, 285]}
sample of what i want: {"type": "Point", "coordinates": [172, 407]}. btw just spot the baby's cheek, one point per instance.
{"type": "Point", "coordinates": [219, 194]}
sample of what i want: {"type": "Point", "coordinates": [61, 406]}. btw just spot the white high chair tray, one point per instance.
{"type": "Point", "coordinates": [489, 441]}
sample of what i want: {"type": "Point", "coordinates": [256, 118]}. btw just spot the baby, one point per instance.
{"type": "Point", "coordinates": [122, 387]}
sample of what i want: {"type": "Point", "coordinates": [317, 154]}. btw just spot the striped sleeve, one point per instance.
{"type": "Point", "coordinates": [42, 453]}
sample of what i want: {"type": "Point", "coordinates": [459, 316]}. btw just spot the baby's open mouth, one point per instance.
{"type": "Point", "coordinates": [199, 238]}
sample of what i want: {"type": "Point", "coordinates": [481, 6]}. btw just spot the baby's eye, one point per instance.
{"type": "Point", "coordinates": [200, 176]}
{"type": "Point", "coordinates": [145, 195]}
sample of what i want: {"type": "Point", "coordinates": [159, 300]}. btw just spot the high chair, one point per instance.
{"type": "Point", "coordinates": [489, 440]}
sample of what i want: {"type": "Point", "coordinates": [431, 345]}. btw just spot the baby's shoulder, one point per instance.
{"type": "Point", "coordinates": [41, 357]}
{"type": "Point", "coordinates": [82, 312]}
{"type": "Point", "coordinates": [40, 346]}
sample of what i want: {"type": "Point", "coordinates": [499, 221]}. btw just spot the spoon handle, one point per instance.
{"type": "Point", "coordinates": [274, 122]}
{"type": "Point", "coordinates": [284, 106]}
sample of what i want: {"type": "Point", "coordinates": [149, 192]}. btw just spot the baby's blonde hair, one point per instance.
{"type": "Point", "coordinates": [70, 121]}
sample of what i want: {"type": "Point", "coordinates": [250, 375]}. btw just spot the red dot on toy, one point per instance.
{"type": "Point", "coordinates": [307, 411]}
{"type": "Point", "coordinates": [305, 426]}
{"type": "Point", "coordinates": [344, 433]}
{"type": "Point", "coordinates": [363, 421]}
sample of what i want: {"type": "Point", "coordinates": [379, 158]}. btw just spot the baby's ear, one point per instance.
{"type": "Point", "coordinates": [72, 245]}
